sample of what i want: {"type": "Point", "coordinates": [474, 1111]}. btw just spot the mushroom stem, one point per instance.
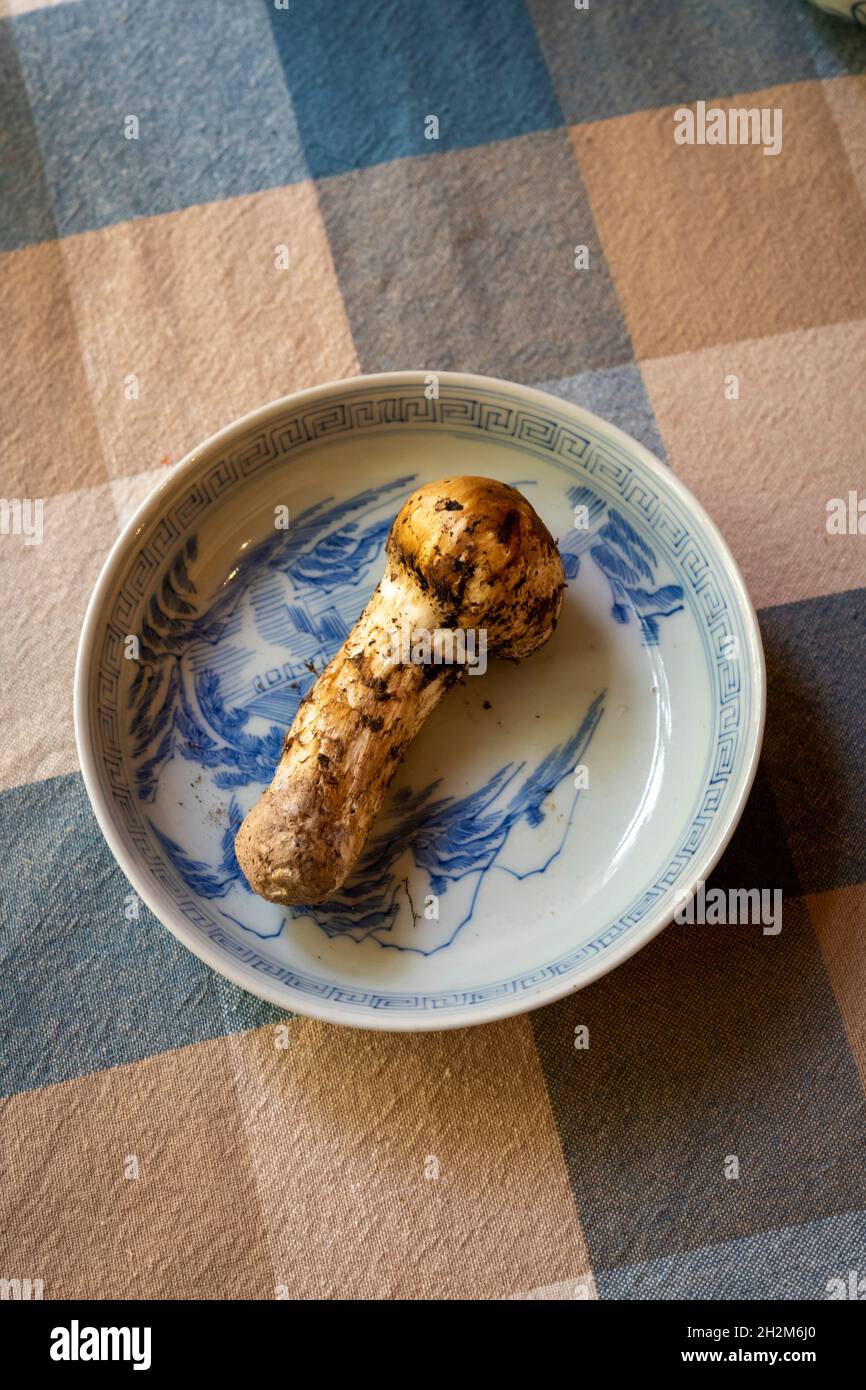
{"type": "Point", "coordinates": [466, 553]}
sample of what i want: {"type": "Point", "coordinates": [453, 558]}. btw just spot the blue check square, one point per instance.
{"type": "Point", "coordinates": [141, 109]}
{"type": "Point", "coordinates": [372, 82]}
{"type": "Point", "coordinates": [610, 60]}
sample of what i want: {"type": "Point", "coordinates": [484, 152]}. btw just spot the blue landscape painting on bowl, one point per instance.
{"type": "Point", "coordinates": [202, 696]}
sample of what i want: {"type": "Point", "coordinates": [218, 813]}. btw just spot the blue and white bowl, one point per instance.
{"type": "Point", "coordinates": [549, 817]}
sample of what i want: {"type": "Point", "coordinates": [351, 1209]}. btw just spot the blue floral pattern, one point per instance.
{"type": "Point", "coordinates": [625, 559]}
{"type": "Point", "coordinates": [305, 587]}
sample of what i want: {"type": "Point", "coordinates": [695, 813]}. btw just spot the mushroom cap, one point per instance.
{"type": "Point", "coordinates": [482, 558]}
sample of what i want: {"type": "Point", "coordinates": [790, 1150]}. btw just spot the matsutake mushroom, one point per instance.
{"type": "Point", "coordinates": [467, 556]}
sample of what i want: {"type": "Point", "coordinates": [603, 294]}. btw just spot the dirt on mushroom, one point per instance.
{"type": "Point", "coordinates": [466, 554]}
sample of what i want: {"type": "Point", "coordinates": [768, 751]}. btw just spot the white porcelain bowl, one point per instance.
{"type": "Point", "coordinates": [549, 817]}
{"type": "Point", "coordinates": [854, 10]}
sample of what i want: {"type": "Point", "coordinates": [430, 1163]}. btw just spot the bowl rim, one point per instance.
{"type": "Point", "coordinates": [431, 1019]}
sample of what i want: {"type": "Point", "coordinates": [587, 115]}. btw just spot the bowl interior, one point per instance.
{"type": "Point", "coordinates": [549, 815]}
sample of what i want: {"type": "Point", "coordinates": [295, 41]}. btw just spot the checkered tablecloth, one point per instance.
{"type": "Point", "coordinates": [210, 203]}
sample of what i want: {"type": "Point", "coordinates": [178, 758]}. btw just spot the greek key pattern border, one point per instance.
{"type": "Point", "coordinates": [539, 433]}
